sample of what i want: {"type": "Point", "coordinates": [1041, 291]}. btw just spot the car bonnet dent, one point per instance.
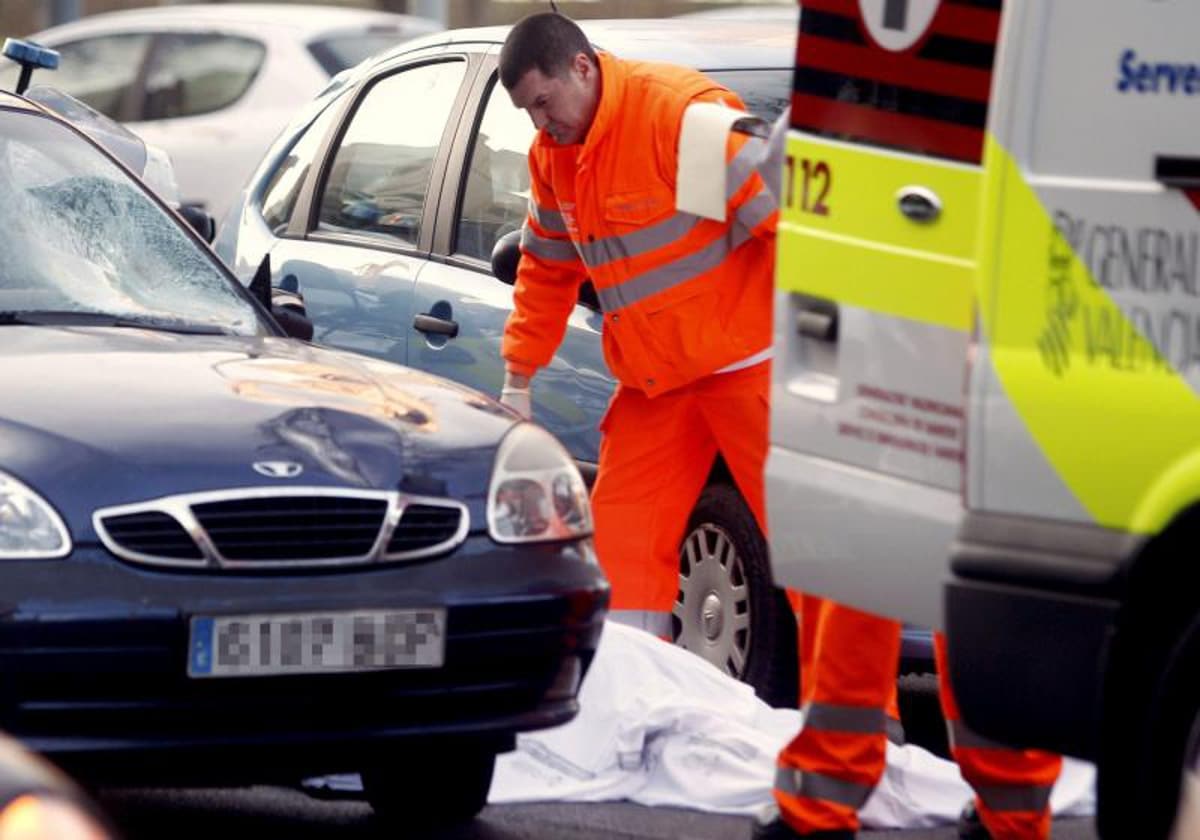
{"type": "Point", "coordinates": [154, 414]}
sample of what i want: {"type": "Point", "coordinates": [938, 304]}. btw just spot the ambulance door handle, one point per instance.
{"type": "Point", "coordinates": [919, 204]}
{"type": "Point", "coordinates": [817, 319]}
{"type": "Point", "coordinates": [1179, 172]}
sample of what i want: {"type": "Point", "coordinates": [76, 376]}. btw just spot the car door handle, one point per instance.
{"type": "Point", "coordinates": [818, 319]}
{"type": "Point", "coordinates": [1179, 172]}
{"type": "Point", "coordinates": [434, 325]}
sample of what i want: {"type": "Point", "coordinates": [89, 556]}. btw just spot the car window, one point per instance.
{"type": "Point", "coordinates": [99, 71]}
{"type": "Point", "coordinates": [338, 52]}
{"type": "Point", "coordinates": [380, 174]}
{"type": "Point", "coordinates": [192, 74]}
{"type": "Point", "coordinates": [82, 237]}
{"type": "Point", "coordinates": [766, 92]}
{"type": "Point", "coordinates": [279, 197]}
{"type": "Point", "coordinates": [497, 193]}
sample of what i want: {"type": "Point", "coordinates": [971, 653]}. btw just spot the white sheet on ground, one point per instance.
{"type": "Point", "coordinates": [660, 726]}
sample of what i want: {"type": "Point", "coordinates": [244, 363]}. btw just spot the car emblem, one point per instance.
{"type": "Point", "coordinates": [278, 469]}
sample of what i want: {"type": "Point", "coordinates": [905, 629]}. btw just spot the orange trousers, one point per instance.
{"type": "Point", "coordinates": [828, 771]}
{"type": "Point", "coordinates": [655, 456]}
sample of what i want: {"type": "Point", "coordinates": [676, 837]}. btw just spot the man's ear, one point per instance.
{"type": "Point", "coordinates": [583, 65]}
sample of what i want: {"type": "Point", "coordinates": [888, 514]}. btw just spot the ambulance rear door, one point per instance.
{"type": "Point", "coordinates": [874, 307]}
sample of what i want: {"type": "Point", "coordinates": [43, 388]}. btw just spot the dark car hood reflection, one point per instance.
{"type": "Point", "coordinates": [113, 416]}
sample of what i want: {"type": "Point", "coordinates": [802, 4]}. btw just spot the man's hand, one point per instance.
{"type": "Point", "coordinates": [515, 394]}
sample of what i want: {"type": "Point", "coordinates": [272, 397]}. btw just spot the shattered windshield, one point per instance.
{"type": "Point", "coordinates": [81, 240]}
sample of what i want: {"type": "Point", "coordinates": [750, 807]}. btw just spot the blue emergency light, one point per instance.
{"type": "Point", "coordinates": [30, 56]}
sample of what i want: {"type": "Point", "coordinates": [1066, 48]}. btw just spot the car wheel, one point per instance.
{"type": "Point", "coordinates": [728, 610]}
{"type": "Point", "coordinates": [1187, 815]}
{"type": "Point", "coordinates": [1151, 769]}
{"type": "Point", "coordinates": [430, 787]}
{"type": "Point", "coordinates": [1147, 743]}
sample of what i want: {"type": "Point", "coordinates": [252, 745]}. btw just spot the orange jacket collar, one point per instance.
{"type": "Point", "coordinates": [612, 91]}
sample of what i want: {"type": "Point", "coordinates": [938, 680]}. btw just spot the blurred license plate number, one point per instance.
{"type": "Point", "coordinates": [314, 643]}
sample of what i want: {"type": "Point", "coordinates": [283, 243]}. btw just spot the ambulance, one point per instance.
{"type": "Point", "coordinates": [987, 363]}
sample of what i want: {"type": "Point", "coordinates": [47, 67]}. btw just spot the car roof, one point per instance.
{"type": "Point", "coordinates": [774, 12]}
{"type": "Point", "coordinates": [20, 103]}
{"type": "Point", "coordinates": [704, 44]}
{"type": "Point", "coordinates": [297, 18]}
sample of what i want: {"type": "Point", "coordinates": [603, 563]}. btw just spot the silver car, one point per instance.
{"type": "Point", "coordinates": [213, 84]}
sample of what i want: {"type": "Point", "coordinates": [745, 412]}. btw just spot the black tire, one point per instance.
{"type": "Point", "coordinates": [1145, 756]}
{"type": "Point", "coordinates": [760, 649]}
{"type": "Point", "coordinates": [921, 713]}
{"type": "Point", "coordinates": [1151, 693]}
{"type": "Point", "coordinates": [431, 787]}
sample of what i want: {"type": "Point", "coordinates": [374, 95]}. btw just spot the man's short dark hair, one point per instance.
{"type": "Point", "coordinates": [546, 40]}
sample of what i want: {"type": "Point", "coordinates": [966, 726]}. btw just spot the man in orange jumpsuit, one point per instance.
{"type": "Point", "coordinates": [686, 299]}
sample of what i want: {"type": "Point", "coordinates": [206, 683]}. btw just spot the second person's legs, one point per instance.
{"type": "Point", "coordinates": [1012, 787]}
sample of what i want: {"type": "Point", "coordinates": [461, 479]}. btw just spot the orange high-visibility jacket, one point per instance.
{"type": "Point", "coordinates": [682, 296]}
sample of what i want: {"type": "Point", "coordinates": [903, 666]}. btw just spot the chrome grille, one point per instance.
{"type": "Point", "coordinates": [153, 533]}
{"type": "Point", "coordinates": [267, 527]}
{"type": "Point", "coordinates": [423, 526]}
{"type": "Point", "coordinates": [292, 527]}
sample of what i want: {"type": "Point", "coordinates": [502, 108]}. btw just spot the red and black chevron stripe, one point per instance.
{"type": "Point", "coordinates": [931, 99]}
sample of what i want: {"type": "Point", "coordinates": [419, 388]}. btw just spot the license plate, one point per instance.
{"type": "Point", "coordinates": [313, 643]}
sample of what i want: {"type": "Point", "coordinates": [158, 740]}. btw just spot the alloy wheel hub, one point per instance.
{"type": "Point", "coordinates": [712, 609]}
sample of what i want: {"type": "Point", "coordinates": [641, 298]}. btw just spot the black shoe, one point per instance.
{"type": "Point", "coordinates": [777, 829]}
{"type": "Point", "coordinates": [970, 826]}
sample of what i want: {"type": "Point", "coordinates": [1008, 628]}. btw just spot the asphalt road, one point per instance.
{"type": "Point", "coordinates": [272, 812]}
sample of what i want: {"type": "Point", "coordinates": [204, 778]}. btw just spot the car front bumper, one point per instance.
{"type": "Point", "coordinates": [94, 657]}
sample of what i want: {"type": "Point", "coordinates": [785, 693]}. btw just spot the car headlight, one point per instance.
{"type": "Point", "coordinates": [537, 493]}
{"type": "Point", "coordinates": [29, 527]}
{"type": "Point", "coordinates": [47, 818]}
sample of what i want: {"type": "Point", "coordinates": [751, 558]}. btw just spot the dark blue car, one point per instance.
{"type": "Point", "coordinates": [230, 556]}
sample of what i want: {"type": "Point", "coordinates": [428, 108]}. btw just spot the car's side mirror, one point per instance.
{"type": "Point", "coordinates": [506, 253]}
{"type": "Point", "coordinates": [286, 305]}
{"type": "Point", "coordinates": [288, 309]}
{"type": "Point", "coordinates": [201, 222]}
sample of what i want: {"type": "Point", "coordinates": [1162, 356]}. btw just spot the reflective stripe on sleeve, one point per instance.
{"type": "Point", "coordinates": [560, 250]}
{"type": "Point", "coordinates": [895, 732]}
{"type": "Point", "coordinates": [548, 220]}
{"type": "Point", "coordinates": [1014, 797]}
{"type": "Point", "coordinates": [818, 786]}
{"type": "Point", "coordinates": [663, 277]}
{"type": "Point", "coordinates": [743, 165]}
{"type": "Point", "coordinates": [831, 718]}
{"type": "Point", "coordinates": [757, 210]}
{"type": "Point", "coordinates": [655, 623]}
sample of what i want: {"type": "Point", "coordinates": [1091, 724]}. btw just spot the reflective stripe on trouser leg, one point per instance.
{"type": "Point", "coordinates": [851, 661]}
{"type": "Point", "coordinates": [1012, 787]}
{"type": "Point", "coordinates": [829, 717]}
{"type": "Point", "coordinates": [816, 786]}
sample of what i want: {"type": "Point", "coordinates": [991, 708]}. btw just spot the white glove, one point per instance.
{"type": "Point", "coordinates": [518, 400]}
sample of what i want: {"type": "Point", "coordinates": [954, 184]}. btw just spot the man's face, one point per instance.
{"type": "Point", "coordinates": [563, 105]}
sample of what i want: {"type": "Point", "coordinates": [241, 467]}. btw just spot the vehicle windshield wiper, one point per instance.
{"type": "Point", "coordinates": [67, 317]}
